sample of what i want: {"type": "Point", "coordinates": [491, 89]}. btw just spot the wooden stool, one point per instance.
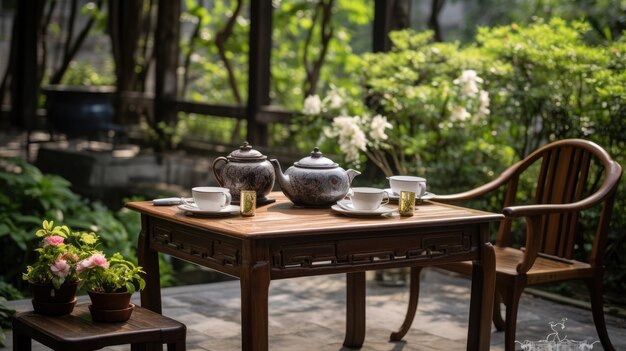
{"type": "Point", "coordinates": [76, 332]}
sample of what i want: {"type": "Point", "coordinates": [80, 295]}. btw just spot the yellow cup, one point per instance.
{"type": "Point", "coordinates": [247, 203]}
{"type": "Point", "coordinates": [406, 203]}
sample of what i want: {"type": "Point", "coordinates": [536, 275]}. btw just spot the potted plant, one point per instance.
{"type": "Point", "coordinates": [53, 276]}
{"type": "Point", "coordinates": [110, 284]}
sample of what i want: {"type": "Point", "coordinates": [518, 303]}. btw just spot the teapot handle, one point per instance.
{"type": "Point", "coordinates": [216, 174]}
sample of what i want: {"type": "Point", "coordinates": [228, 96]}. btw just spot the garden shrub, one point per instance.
{"type": "Point", "coordinates": [29, 196]}
{"type": "Point", "coordinates": [459, 115]}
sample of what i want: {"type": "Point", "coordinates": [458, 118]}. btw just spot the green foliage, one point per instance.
{"type": "Point", "coordinates": [80, 73]}
{"type": "Point", "coordinates": [113, 275]}
{"type": "Point", "coordinates": [27, 197]}
{"type": "Point", "coordinates": [58, 254]}
{"type": "Point", "coordinates": [69, 256]}
{"type": "Point", "coordinates": [544, 81]}
{"type": "Point", "coordinates": [293, 20]}
{"type": "Point", "coordinates": [207, 75]}
{"type": "Point", "coordinates": [606, 17]}
{"type": "Point", "coordinates": [436, 105]}
{"type": "Point", "coordinates": [6, 313]}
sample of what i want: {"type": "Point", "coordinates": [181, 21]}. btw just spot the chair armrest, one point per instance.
{"type": "Point", "coordinates": [607, 188]}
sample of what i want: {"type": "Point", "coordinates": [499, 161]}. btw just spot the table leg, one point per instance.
{"type": "Point", "coordinates": [255, 284]}
{"type": "Point", "coordinates": [149, 260]}
{"type": "Point", "coordinates": [355, 310]}
{"type": "Point", "coordinates": [21, 342]}
{"type": "Point", "coordinates": [481, 305]}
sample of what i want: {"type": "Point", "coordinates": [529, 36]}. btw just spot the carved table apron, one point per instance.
{"type": "Point", "coordinates": [282, 241]}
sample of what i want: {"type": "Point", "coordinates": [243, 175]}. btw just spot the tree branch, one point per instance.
{"type": "Point", "coordinates": [326, 33]}
{"type": "Point", "coordinates": [192, 43]}
{"type": "Point", "coordinates": [43, 32]}
{"type": "Point", "coordinates": [145, 66]}
{"type": "Point", "coordinates": [73, 48]}
{"type": "Point", "coordinates": [221, 38]}
{"type": "Point", "coordinates": [433, 21]}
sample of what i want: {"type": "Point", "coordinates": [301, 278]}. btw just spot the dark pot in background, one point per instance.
{"type": "Point", "coordinates": [79, 110]}
{"type": "Point", "coordinates": [54, 302]}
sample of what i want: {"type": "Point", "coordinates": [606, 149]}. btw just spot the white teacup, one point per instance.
{"type": "Point", "coordinates": [408, 183]}
{"type": "Point", "coordinates": [210, 198]}
{"type": "Point", "coordinates": [368, 198]}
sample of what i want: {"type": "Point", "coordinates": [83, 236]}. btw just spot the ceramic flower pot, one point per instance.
{"type": "Point", "coordinates": [110, 307]}
{"type": "Point", "coordinates": [54, 302]}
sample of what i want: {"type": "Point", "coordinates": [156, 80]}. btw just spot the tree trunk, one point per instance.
{"type": "Point", "coordinates": [125, 27]}
{"type": "Point", "coordinates": [166, 47]}
{"type": "Point", "coordinates": [433, 21]}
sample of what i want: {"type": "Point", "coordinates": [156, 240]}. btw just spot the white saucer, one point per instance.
{"type": "Point", "coordinates": [346, 208]}
{"type": "Point", "coordinates": [394, 196]}
{"type": "Point", "coordinates": [226, 211]}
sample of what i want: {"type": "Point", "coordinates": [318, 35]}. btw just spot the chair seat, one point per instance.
{"type": "Point", "coordinates": [545, 269]}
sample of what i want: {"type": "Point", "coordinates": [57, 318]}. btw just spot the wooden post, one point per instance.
{"type": "Point", "coordinates": [389, 15]}
{"type": "Point", "coordinates": [24, 79]}
{"type": "Point", "coordinates": [125, 26]}
{"type": "Point", "coordinates": [259, 68]}
{"type": "Point", "coordinates": [166, 38]}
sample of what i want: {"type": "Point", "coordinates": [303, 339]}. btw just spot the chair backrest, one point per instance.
{"type": "Point", "coordinates": [563, 171]}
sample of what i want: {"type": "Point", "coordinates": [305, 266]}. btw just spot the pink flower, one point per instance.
{"type": "Point", "coordinates": [60, 268]}
{"type": "Point", "coordinates": [100, 260]}
{"type": "Point", "coordinates": [96, 259]}
{"type": "Point", "coordinates": [54, 240]}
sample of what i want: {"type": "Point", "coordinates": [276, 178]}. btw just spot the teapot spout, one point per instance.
{"type": "Point", "coordinates": [352, 173]}
{"type": "Point", "coordinates": [283, 180]}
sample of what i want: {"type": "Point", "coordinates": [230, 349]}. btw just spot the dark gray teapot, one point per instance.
{"type": "Point", "coordinates": [314, 181]}
{"type": "Point", "coordinates": [245, 169]}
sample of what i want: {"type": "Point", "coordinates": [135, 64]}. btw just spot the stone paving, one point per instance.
{"type": "Point", "coordinates": [308, 314]}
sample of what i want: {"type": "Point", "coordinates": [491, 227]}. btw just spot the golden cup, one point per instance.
{"type": "Point", "coordinates": [247, 203]}
{"type": "Point", "coordinates": [406, 203]}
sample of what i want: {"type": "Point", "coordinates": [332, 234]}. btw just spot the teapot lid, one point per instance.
{"type": "Point", "coordinates": [246, 153]}
{"type": "Point", "coordinates": [316, 160]}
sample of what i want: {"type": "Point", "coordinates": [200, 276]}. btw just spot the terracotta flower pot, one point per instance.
{"type": "Point", "coordinates": [110, 307]}
{"type": "Point", "coordinates": [54, 302]}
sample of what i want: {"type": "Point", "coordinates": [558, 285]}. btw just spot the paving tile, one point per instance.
{"type": "Point", "coordinates": [309, 314]}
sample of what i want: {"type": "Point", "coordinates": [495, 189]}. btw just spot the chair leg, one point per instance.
{"type": "Point", "coordinates": [414, 292]}
{"type": "Point", "coordinates": [596, 289]}
{"type": "Point", "coordinates": [510, 296]}
{"type": "Point", "coordinates": [497, 312]}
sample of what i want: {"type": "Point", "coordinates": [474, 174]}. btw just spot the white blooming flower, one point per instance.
{"type": "Point", "coordinates": [483, 103]}
{"type": "Point", "coordinates": [459, 113]}
{"type": "Point", "coordinates": [312, 105]}
{"type": "Point", "coordinates": [378, 126]}
{"type": "Point", "coordinates": [335, 101]}
{"type": "Point", "coordinates": [351, 136]}
{"type": "Point", "coordinates": [468, 81]}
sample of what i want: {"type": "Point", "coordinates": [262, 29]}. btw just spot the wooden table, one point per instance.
{"type": "Point", "coordinates": [283, 241]}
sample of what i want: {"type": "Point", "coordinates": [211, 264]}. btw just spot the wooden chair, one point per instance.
{"type": "Point", "coordinates": [564, 169]}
